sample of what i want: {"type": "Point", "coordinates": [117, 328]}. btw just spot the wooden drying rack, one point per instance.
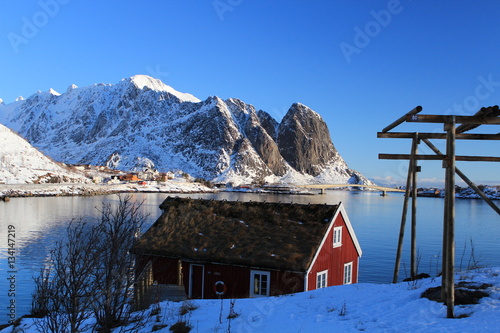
{"type": "Point", "coordinates": [451, 133]}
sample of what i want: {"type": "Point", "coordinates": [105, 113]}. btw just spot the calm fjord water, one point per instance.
{"type": "Point", "coordinates": [39, 222]}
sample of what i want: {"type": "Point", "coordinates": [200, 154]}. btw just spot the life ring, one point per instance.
{"type": "Point", "coordinates": [217, 291]}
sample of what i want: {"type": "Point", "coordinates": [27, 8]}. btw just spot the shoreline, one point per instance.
{"type": "Point", "coordinates": [67, 190]}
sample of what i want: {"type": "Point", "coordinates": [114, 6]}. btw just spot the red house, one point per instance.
{"type": "Point", "coordinates": [249, 249]}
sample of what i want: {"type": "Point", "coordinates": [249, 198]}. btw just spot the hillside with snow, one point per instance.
{"type": "Point", "coordinates": [142, 120]}
{"type": "Point", "coordinates": [21, 163]}
{"type": "Point", "coordinates": [361, 307]}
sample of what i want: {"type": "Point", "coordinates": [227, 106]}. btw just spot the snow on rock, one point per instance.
{"type": "Point", "coordinates": [71, 87]}
{"type": "Point", "coordinates": [142, 81]}
{"type": "Point", "coordinates": [20, 98]}
{"type": "Point", "coordinates": [22, 163]}
{"type": "Point", "coordinates": [53, 92]}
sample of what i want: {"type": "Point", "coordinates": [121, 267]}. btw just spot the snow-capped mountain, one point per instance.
{"type": "Point", "coordinates": [21, 163]}
{"type": "Point", "coordinates": [142, 119]}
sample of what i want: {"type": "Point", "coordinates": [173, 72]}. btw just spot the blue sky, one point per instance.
{"type": "Point", "coordinates": [359, 64]}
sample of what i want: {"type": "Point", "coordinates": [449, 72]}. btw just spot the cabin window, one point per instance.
{"type": "Point", "coordinates": [259, 283]}
{"type": "Point", "coordinates": [321, 279]}
{"type": "Point", "coordinates": [337, 236]}
{"type": "Point", "coordinates": [348, 273]}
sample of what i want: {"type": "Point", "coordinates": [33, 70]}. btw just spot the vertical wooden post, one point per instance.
{"type": "Point", "coordinates": [411, 167]}
{"type": "Point", "coordinates": [414, 208]}
{"type": "Point", "coordinates": [179, 272]}
{"type": "Point", "coordinates": [448, 282]}
{"type": "Point", "coordinates": [403, 223]}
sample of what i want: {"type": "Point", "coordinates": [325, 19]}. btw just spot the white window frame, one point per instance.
{"type": "Point", "coordinates": [322, 279]}
{"type": "Point", "coordinates": [348, 273]}
{"type": "Point", "coordinates": [337, 236]}
{"type": "Point", "coordinates": [260, 286]}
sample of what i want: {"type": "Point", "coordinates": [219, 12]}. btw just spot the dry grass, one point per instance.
{"type": "Point", "coordinates": [269, 235]}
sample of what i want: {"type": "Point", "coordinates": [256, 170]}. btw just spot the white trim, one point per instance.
{"type": "Point", "coordinates": [357, 270]}
{"type": "Point", "coordinates": [349, 264]}
{"type": "Point", "coordinates": [340, 210]}
{"type": "Point", "coordinates": [339, 242]}
{"type": "Point", "coordinates": [252, 274]}
{"type": "Point", "coordinates": [191, 280]}
{"type": "Point", "coordinates": [325, 273]}
{"type": "Point", "coordinates": [350, 229]}
{"type": "Point", "coordinates": [325, 236]}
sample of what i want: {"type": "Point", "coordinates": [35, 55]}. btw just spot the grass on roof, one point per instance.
{"type": "Point", "coordinates": [267, 235]}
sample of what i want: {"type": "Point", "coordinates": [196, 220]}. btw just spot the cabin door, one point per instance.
{"type": "Point", "coordinates": [196, 279]}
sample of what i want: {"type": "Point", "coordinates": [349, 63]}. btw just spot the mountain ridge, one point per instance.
{"type": "Point", "coordinates": [141, 118]}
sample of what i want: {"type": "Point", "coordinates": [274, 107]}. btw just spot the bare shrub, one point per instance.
{"type": "Point", "coordinates": [64, 290]}
{"type": "Point", "coordinates": [113, 274]}
{"type": "Point", "coordinates": [92, 272]}
{"type": "Point", "coordinates": [187, 306]}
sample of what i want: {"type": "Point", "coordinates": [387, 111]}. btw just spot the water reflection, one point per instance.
{"type": "Point", "coordinates": [40, 222]}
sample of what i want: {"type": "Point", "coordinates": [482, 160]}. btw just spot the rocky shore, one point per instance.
{"type": "Point", "coordinates": [52, 190]}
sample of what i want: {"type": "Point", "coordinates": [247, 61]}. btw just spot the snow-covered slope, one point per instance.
{"type": "Point", "coordinates": [359, 307]}
{"type": "Point", "coordinates": [21, 163]}
{"type": "Point", "coordinates": [141, 81]}
{"type": "Point", "coordinates": [143, 119]}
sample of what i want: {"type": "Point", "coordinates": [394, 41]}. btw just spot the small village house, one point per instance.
{"type": "Point", "coordinates": [249, 249]}
{"type": "Point", "coordinates": [129, 177]}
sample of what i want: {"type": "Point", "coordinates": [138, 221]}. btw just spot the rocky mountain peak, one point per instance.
{"type": "Point", "coordinates": [304, 140]}
{"type": "Point", "coordinates": [141, 118]}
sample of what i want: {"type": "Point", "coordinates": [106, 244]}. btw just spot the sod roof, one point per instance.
{"type": "Point", "coordinates": [281, 236]}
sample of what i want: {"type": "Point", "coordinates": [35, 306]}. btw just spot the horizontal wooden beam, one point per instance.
{"type": "Point", "coordinates": [492, 111]}
{"type": "Point", "coordinates": [408, 135]}
{"type": "Point", "coordinates": [402, 119]}
{"type": "Point", "coordinates": [438, 157]}
{"type": "Point", "coordinates": [440, 119]}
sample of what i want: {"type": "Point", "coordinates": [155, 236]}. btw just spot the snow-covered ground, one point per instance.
{"type": "Point", "coordinates": [350, 308]}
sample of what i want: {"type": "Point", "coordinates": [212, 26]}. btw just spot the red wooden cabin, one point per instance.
{"type": "Point", "coordinates": [249, 249]}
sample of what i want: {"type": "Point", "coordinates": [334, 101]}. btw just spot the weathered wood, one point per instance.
{"type": "Point", "coordinates": [438, 157]}
{"type": "Point", "coordinates": [466, 179]}
{"type": "Point", "coordinates": [489, 115]}
{"type": "Point", "coordinates": [403, 224]}
{"type": "Point", "coordinates": [402, 119]}
{"type": "Point", "coordinates": [491, 111]}
{"type": "Point", "coordinates": [407, 135]}
{"type": "Point", "coordinates": [413, 254]}
{"type": "Point", "coordinates": [179, 272]}
{"type": "Point", "coordinates": [440, 119]}
{"type": "Point", "coordinates": [448, 283]}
